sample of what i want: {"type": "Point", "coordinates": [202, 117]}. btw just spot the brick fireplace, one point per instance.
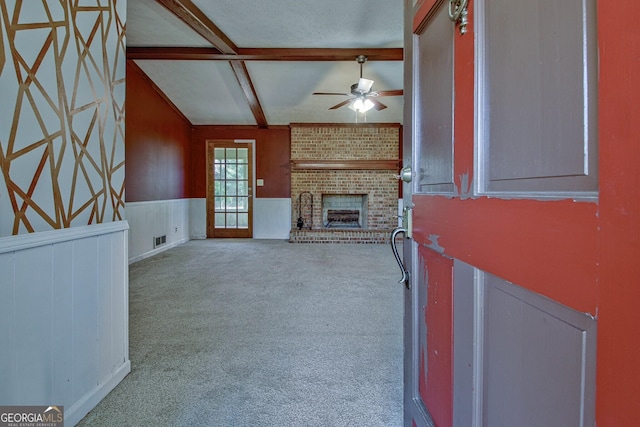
{"type": "Point", "coordinates": [343, 186]}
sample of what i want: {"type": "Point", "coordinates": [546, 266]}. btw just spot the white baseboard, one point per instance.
{"type": "Point", "coordinates": [157, 251]}
{"type": "Point", "coordinates": [82, 407]}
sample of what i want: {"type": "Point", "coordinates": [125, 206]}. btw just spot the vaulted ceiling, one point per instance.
{"type": "Point", "coordinates": [248, 62]}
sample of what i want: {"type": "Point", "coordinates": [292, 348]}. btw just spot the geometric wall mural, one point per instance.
{"type": "Point", "coordinates": [62, 98]}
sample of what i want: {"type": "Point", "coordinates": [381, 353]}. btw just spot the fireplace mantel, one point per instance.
{"type": "Point", "coordinates": [346, 164]}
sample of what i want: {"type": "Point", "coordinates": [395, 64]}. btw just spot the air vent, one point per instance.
{"type": "Point", "coordinates": [159, 241]}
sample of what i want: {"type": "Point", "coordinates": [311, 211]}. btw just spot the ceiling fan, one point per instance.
{"type": "Point", "coordinates": [361, 97]}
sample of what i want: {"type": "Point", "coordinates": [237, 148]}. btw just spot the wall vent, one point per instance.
{"type": "Point", "coordinates": [159, 241]}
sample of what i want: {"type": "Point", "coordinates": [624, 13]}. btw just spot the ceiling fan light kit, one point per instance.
{"type": "Point", "coordinates": [362, 105]}
{"type": "Point", "coordinates": [360, 96]}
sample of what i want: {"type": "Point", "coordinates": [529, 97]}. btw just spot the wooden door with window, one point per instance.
{"type": "Point", "coordinates": [512, 175]}
{"type": "Point", "coordinates": [229, 189]}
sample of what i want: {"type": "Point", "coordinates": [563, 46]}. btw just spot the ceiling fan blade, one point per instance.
{"type": "Point", "coordinates": [364, 85]}
{"type": "Point", "coordinates": [331, 93]}
{"type": "Point", "coordinates": [394, 92]}
{"type": "Point", "coordinates": [377, 104]}
{"type": "Point", "coordinates": [345, 102]}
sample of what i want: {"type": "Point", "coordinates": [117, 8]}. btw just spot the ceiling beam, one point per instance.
{"type": "Point", "coordinates": [242, 74]}
{"type": "Point", "coordinates": [198, 21]}
{"type": "Point", "coordinates": [266, 54]}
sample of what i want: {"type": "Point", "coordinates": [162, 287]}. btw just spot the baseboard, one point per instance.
{"type": "Point", "coordinates": [82, 407]}
{"type": "Point", "coordinates": [157, 251]}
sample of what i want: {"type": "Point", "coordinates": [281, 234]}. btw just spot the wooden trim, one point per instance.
{"type": "Point", "coordinates": [200, 23]}
{"type": "Point", "coordinates": [242, 74]}
{"type": "Point", "coordinates": [239, 127]}
{"type": "Point", "coordinates": [266, 54]}
{"type": "Point", "coordinates": [212, 231]}
{"type": "Point", "coordinates": [346, 164]}
{"type": "Point", "coordinates": [345, 125]}
{"type": "Point", "coordinates": [424, 11]}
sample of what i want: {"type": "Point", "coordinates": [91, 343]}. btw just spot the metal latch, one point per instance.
{"type": "Point", "coordinates": [407, 221]}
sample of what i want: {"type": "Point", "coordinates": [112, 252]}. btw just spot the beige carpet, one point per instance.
{"type": "Point", "coordinates": [231, 332]}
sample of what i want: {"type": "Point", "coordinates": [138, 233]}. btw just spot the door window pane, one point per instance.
{"type": "Point", "coordinates": [243, 204]}
{"type": "Point", "coordinates": [218, 171]}
{"type": "Point", "coordinates": [218, 154]}
{"type": "Point", "coordinates": [242, 172]}
{"type": "Point", "coordinates": [218, 188]}
{"type": "Point", "coordinates": [219, 222]}
{"type": "Point", "coordinates": [231, 220]}
{"type": "Point", "coordinates": [243, 155]}
{"type": "Point", "coordinates": [231, 171]}
{"type": "Point", "coordinates": [243, 188]}
{"type": "Point", "coordinates": [243, 220]}
{"type": "Point", "coordinates": [231, 188]}
{"type": "Point", "coordinates": [219, 203]}
{"type": "Point", "coordinates": [231, 203]}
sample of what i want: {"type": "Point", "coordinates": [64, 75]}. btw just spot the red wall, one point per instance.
{"type": "Point", "coordinates": [157, 144]}
{"type": "Point", "coordinates": [272, 152]}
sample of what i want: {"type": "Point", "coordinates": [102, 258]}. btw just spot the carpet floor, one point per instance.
{"type": "Point", "coordinates": [242, 332]}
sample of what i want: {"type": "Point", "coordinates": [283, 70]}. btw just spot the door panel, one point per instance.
{"type": "Point", "coordinates": [229, 189]}
{"type": "Point", "coordinates": [537, 81]}
{"type": "Point", "coordinates": [434, 104]}
{"type": "Point", "coordinates": [520, 358]}
{"type": "Point", "coordinates": [538, 359]}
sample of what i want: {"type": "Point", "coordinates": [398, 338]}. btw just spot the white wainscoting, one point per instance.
{"type": "Point", "coordinates": [64, 311]}
{"type": "Point", "coordinates": [184, 219]}
{"type": "Point", "coordinates": [271, 218]}
{"type": "Point", "coordinates": [198, 218]}
{"type": "Point", "coordinates": [148, 220]}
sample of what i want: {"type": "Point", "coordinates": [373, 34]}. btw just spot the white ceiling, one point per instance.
{"type": "Point", "coordinates": [207, 92]}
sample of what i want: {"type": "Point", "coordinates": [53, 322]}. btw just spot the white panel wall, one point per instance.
{"type": "Point", "coordinates": [64, 314]}
{"type": "Point", "coordinates": [184, 219]}
{"type": "Point", "coordinates": [198, 218]}
{"type": "Point", "coordinates": [148, 220]}
{"type": "Point", "coordinates": [271, 218]}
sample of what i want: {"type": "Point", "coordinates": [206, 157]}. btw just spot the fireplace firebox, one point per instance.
{"type": "Point", "coordinates": [343, 218]}
{"type": "Point", "coordinates": [344, 210]}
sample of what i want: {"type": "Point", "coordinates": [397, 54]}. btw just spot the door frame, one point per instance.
{"type": "Point", "coordinates": [210, 143]}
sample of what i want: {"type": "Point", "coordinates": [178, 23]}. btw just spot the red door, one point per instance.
{"type": "Point", "coordinates": [522, 137]}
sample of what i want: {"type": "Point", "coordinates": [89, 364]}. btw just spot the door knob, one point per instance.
{"type": "Point", "coordinates": [406, 174]}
